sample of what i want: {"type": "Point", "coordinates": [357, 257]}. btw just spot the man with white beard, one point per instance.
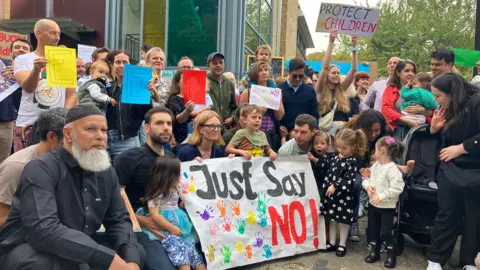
{"type": "Point", "coordinates": [63, 198]}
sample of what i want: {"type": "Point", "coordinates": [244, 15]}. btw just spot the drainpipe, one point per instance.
{"type": "Point", "coordinates": [49, 8]}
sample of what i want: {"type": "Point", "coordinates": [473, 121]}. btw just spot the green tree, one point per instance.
{"type": "Point", "coordinates": [412, 29]}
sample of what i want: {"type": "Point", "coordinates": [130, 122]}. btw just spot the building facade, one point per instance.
{"type": "Point", "coordinates": [180, 27]}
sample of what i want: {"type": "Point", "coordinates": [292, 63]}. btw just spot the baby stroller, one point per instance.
{"type": "Point", "coordinates": [418, 203]}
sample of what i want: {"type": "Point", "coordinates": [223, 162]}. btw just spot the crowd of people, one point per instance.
{"type": "Point", "coordinates": [75, 149]}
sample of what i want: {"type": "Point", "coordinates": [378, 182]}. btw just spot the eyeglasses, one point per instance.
{"type": "Point", "coordinates": [185, 67]}
{"type": "Point", "coordinates": [212, 127]}
{"type": "Point", "coordinates": [298, 76]}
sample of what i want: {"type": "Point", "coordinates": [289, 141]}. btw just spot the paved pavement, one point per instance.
{"type": "Point", "coordinates": [413, 258]}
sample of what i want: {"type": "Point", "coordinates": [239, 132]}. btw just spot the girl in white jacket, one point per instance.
{"type": "Point", "coordinates": [384, 187]}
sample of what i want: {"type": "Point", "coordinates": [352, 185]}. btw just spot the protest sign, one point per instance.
{"type": "Point", "coordinates": [7, 89]}
{"type": "Point", "coordinates": [61, 67]}
{"type": "Point", "coordinates": [194, 86]}
{"type": "Point", "coordinates": [347, 19]}
{"type": "Point", "coordinates": [247, 212]}
{"type": "Point", "coordinates": [85, 52]}
{"type": "Point", "coordinates": [135, 84]}
{"type": "Point", "coordinates": [6, 39]}
{"type": "Point", "coordinates": [467, 58]}
{"type": "Point", "coordinates": [265, 96]}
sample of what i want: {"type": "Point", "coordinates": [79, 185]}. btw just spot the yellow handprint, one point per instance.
{"type": "Point", "coordinates": [191, 188]}
{"type": "Point", "coordinates": [251, 218]}
{"type": "Point", "coordinates": [211, 253]}
{"type": "Point", "coordinates": [239, 246]}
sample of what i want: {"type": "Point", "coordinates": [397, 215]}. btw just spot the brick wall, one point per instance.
{"type": "Point", "coordinates": [288, 37]}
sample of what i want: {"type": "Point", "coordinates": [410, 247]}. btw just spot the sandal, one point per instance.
{"type": "Point", "coordinates": [341, 251]}
{"type": "Point", "coordinates": [330, 248]}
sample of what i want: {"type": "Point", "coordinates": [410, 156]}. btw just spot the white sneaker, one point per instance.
{"type": "Point", "coordinates": [469, 267]}
{"type": "Point", "coordinates": [434, 266]}
{"type": "Point", "coordinates": [360, 211]}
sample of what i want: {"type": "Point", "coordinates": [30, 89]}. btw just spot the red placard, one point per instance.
{"type": "Point", "coordinates": [195, 86]}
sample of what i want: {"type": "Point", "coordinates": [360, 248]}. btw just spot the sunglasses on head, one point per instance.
{"type": "Point", "coordinates": [298, 76]}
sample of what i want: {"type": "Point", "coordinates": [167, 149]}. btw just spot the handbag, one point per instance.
{"type": "Point", "coordinates": [326, 122]}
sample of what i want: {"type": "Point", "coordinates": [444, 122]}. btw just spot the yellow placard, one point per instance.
{"type": "Point", "coordinates": [61, 67]}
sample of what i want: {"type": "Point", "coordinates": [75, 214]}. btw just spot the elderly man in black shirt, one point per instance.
{"type": "Point", "coordinates": [63, 198]}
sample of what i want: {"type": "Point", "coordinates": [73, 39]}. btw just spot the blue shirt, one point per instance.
{"type": "Point", "coordinates": [190, 152]}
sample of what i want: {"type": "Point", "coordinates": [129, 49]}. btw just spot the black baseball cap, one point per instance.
{"type": "Point", "coordinates": [212, 55]}
{"type": "Point", "coordinates": [309, 71]}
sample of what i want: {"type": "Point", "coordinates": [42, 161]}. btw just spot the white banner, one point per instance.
{"type": "Point", "coordinates": [265, 96]}
{"type": "Point", "coordinates": [347, 19]}
{"type": "Point", "coordinates": [247, 212]}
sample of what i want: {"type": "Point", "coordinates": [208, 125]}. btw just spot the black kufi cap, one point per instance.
{"type": "Point", "coordinates": [80, 111]}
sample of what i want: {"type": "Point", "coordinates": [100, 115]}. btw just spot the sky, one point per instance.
{"type": "Point", "coordinates": [311, 8]}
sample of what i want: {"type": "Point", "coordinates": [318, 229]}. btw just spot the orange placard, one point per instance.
{"type": "Point", "coordinates": [133, 217]}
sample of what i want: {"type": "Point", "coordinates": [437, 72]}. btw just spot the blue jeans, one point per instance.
{"type": "Point", "coordinates": [157, 257]}
{"type": "Point", "coordinates": [116, 145]}
{"type": "Point", "coordinates": [142, 135]}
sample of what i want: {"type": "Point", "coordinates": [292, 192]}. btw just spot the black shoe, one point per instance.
{"type": "Point", "coordinates": [330, 248]}
{"type": "Point", "coordinates": [374, 255]}
{"type": "Point", "coordinates": [391, 261]}
{"type": "Point", "coordinates": [341, 251]}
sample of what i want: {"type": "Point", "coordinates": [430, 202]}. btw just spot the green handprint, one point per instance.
{"type": "Point", "coordinates": [227, 253]}
{"type": "Point", "coordinates": [263, 220]}
{"type": "Point", "coordinates": [241, 226]}
{"type": "Point", "coordinates": [262, 203]}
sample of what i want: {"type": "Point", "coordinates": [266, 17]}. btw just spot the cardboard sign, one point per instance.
{"type": "Point", "coordinates": [194, 86]}
{"type": "Point", "coordinates": [61, 67]}
{"type": "Point", "coordinates": [85, 52]}
{"type": "Point", "coordinates": [247, 212]}
{"type": "Point", "coordinates": [265, 96]}
{"type": "Point", "coordinates": [135, 84]}
{"type": "Point", "coordinates": [6, 39]}
{"type": "Point", "coordinates": [347, 19]}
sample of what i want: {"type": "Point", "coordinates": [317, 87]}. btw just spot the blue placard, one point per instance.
{"type": "Point", "coordinates": [135, 84]}
{"type": "Point", "coordinates": [343, 66]}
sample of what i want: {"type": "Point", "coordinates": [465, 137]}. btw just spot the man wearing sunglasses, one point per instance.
{"type": "Point", "coordinates": [298, 98]}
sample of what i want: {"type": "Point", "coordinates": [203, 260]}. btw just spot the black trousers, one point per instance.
{"type": "Point", "coordinates": [380, 222]}
{"type": "Point", "coordinates": [458, 211]}
{"type": "Point", "coordinates": [24, 257]}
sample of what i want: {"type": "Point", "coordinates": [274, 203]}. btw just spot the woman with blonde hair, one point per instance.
{"type": "Point", "coordinates": [205, 139]}
{"type": "Point", "coordinates": [334, 105]}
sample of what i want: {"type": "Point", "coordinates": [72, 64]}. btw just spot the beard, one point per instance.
{"type": "Point", "coordinates": [160, 139]}
{"type": "Point", "coordinates": [93, 160]}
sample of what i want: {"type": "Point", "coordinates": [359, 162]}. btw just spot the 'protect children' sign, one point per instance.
{"type": "Point", "coordinates": [249, 211]}
{"type": "Point", "coordinates": [347, 19]}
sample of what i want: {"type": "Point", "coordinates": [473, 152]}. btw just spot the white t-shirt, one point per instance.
{"type": "Point", "coordinates": [291, 148]}
{"type": "Point", "coordinates": [44, 98]}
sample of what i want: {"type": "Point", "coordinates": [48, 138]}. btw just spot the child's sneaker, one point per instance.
{"type": "Point", "coordinates": [354, 234]}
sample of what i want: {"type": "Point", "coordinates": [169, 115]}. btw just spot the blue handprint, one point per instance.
{"type": "Point", "coordinates": [263, 220]}
{"type": "Point", "coordinates": [241, 226]}
{"type": "Point", "coordinates": [268, 251]}
{"type": "Point", "coordinates": [262, 202]}
{"type": "Point", "coordinates": [259, 240]}
{"type": "Point", "coordinates": [207, 213]}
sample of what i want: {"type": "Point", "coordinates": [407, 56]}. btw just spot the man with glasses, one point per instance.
{"type": "Point", "coordinates": [133, 166]}
{"type": "Point", "coordinates": [298, 98]}
{"type": "Point", "coordinates": [185, 63]}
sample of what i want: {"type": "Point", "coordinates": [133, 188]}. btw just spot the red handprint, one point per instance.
{"type": "Point", "coordinates": [227, 225]}
{"type": "Point", "coordinates": [235, 208]}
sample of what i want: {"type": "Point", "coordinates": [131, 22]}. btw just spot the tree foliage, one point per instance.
{"type": "Point", "coordinates": [412, 29]}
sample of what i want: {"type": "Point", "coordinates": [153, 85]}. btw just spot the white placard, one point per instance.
{"type": "Point", "coordinates": [265, 96]}
{"type": "Point", "coordinates": [347, 19]}
{"type": "Point", "coordinates": [247, 212]}
{"type": "Point", "coordinates": [4, 94]}
{"type": "Point", "coordinates": [85, 52]}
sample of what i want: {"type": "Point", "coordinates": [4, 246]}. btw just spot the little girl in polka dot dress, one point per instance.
{"type": "Point", "coordinates": [337, 204]}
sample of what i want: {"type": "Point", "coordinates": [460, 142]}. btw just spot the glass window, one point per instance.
{"type": "Point", "coordinates": [154, 22]}
{"type": "Point", "coordinates": [253, 13]}
{"type": "Point", "coordinates": [265, 19]}
{"type": "Point", "coordinates": [192, 30]}
{"type": "Point", "coordinates": [258, 28]}
{"type": "Point", "coordinates": [130, 28]}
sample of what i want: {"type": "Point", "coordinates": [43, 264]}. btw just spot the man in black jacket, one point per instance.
{"type": "Point", "coordinates": [63, 198]}
{"type": "Point", "coordinates": [298, 98]}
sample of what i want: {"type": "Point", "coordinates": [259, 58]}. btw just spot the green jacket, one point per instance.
{"type": "Point", "coordinates": [223, 96]}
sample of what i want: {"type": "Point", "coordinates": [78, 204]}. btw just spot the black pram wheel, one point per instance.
{"type": "Point", "coordinates": [422, 239]}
